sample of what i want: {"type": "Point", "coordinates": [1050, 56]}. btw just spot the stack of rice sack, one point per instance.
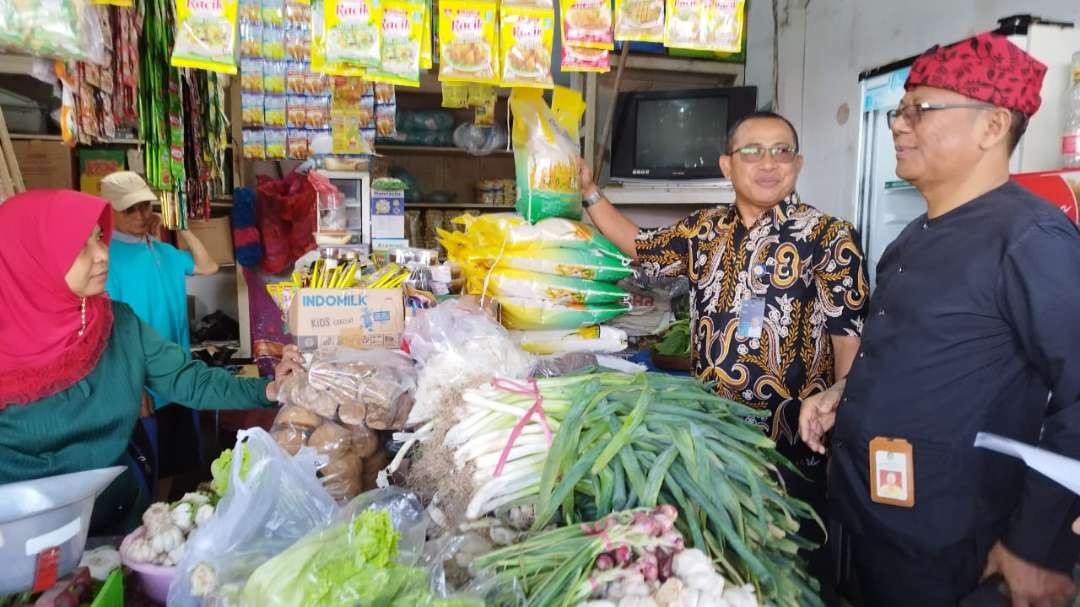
{"type": "Point", "coordinates": [339, 407]}
{"type": "Point", "coordinates": [554, 275]}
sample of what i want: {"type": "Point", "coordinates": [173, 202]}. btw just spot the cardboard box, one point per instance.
{"type": "Point", "coordinates": [358, 318]}
{"type": "Point", "coordinates": [45, 164]}
{"type": "Point", "coordinates": [95, 165]}
{"type": "Point", "coordinates": [216, 235]}
{"type": "Point", "coordinates": [387, 214]}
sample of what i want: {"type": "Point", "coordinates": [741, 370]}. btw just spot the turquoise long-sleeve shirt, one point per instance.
{"type": "Point", "coordinates": [89, 425]}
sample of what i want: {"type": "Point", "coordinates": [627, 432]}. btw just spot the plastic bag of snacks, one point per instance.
{"type": "Point", "coordinates": [581, 59]}
{"type": "Point", "coordinates": [706, 26]}
{"type": "Point", "coordinates": [524, 314]}
{"type": "Point", "coordinates": [527, 35]}
{"type": "Point", "coordinates": [534, 285]}
{"type": "Point", "coordinates": [639, 20]}
{"type": "Point", "coordinates": [372, 386]}
{"type": "Point", "coordinates": [468, 41]}
{"type": "Point", "coordinates": [586, 23]}
{"type": "Point", "coordinates": [546, 147]}
{"type": "Point", "coordinates": [206, 35]}
{"type": "Point", "coordinates": [402, 36]}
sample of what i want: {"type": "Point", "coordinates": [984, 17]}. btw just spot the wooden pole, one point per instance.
{"type": "Point", "coordinates": [601, 144]}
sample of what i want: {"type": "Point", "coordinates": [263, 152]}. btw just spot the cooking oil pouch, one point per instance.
{"type": "Point", "coordinates": [468, 41]}
{"type": "Point", "coordinates": [585, 60]}
{"type": "Point", "coordinates": [546, 148]}
{"type": "Point", "coordinates": [206, 35]}
{"type": "Point", "coordinates": [639, 20]}
{"type": "Point", "coordinates": [723, 23]}
{"type": "Point", "coordinates": [527, 36]}
{"type": "Point", "coordinates": [534, 285]}
{"type": "Point", "coordinates": [353, 32]}
{"type": "Point", "coordinates": [402, 37]}
{"type": "Point", "coordinates": [524, 314]}
{"type": "Point", "coordinates": [587, 23]}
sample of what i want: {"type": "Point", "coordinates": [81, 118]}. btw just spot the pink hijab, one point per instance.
{"type": "Point", "coordinates": [41, 351]}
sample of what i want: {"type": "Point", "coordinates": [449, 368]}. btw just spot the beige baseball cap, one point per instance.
{"type": "Point", "coordinates": [125, 189]}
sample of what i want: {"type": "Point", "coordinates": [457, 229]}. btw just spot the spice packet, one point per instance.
{"type": "Point", "coordinates": [384, 93]}
{"type": "Point", "coordinates": [254, 144]}
{"type": "Point", "coordinates": [468, 41]}
{"type": "Point", "coordinates": [639, 20]}
{"type": "Point", "coordinates": [251, 110]}
{"type": "Point", "coordinates": [724, 22]}
{"type": "Point", "coordinates": [386, 121]}
{"type": "Point", "coordinates": [318, 113]}
{"type": "Point", "coordinates": [296, 112]}
{"type": "Point", "coordinates": [206, 35]}
{"type": "Point", "coordinates": [298, 144]}
{"type": "Point", "coordinates": [274, 111]}
{"type": "Point", "coordinates": [402, 33]}
{"type": "Point", "coordinates": [275, 144]}
{"type": "Point", "coordinates": [527, 35]}
{"type": "Point", "coordinates": [353, 32]}
{"type": "Point", "coordinates": [296, 78]}
{"type": "Point", "coordinates": [425, 41]}
{"type": "Point", "coordinates": [251, 76]}
{"type": "Point", "coordinates": [251, 40]}
{"type": "Point", "coordinates": [249, 11]}
{"type": "Point", "coordinates": [682, 27]}
{"type": "Point", "coordinates": [586, 23]}
{"type": "Point", "coordinates": [274, 76]}
{"type": "Point", "coordinates": [580, 59]}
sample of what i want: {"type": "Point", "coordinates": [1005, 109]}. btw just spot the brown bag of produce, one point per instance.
{"type": "Point", "coordinates": [371, 386]}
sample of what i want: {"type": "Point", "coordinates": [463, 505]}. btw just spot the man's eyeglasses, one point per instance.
{"type": "Point", "coordinates": [912, 114]}
{"type": "Point", "coordinates": [783, 153]}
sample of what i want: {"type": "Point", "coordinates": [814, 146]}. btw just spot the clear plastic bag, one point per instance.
{"type": "Point", "coordinates": [57, 29]}
{"type": "Point", "coordinates": [276, 501]}
{"type": "Point", "coordinates": [372, 553]}
{"type": "Point", "coordinates": [546, 149]}
{"type": "Point", "coordinates": [371, 386]}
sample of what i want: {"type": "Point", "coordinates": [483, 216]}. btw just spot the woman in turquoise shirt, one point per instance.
{"type": "Point", "coordinates": [73, 364]}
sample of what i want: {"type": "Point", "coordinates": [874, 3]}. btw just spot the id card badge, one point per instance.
{"type": "Point", "coordinates": [751, 316]}
{"type": "Point", "coordinates": [892, 472]}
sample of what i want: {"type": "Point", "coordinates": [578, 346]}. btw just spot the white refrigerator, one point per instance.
{"type": "Point", "coordinates": [884, 203]}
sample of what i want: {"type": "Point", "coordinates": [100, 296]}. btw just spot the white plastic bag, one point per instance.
{"type": "Point", "coordinates": [278, 501]}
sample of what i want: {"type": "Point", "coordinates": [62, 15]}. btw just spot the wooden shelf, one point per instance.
{"type": "Point", "coordinates": [30, 136]}
{"type": "Point", "coordinates": [433, 150]}
{"type": "Point", "coordinates": [456, 205]}
{"type": "Point", "coordinates": [679, 64]}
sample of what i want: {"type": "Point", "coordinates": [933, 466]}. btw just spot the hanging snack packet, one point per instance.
{"type": "Point", "coordinates": [296, 114]}
{"type": "Point", "coordinates": [251, 76]}
{"type": "Point", "coordinates": [683, 23]}
{"type": "Point", "coordinates": [273, 12]}
{"type": "Point", "coordinates": [581, 59]}
{"type": "Point", "coordinates": [352, 33]}
{"type": "Point", "coordinates": [273, 42]}
{"type": "Point", "coordinates": [546, 148]}
{"type": "Point", "coordinates": [384, 93]}
{"type": "Point", "coordinates": [402, 34]}
{"type": "Point", "coordinates": [274, 76]}
{"type": "Point", "coordinates": [318, 113]}
{"type": "Point", "coordinates": [296, 78]}
{"type": "Point", "coordinates": [527, 35]}
{"type": "Point", "coordinates": [724, 22]}
{"type": "Point", "coordinates": [274, 111]}
{"type": "Point", "coordinates": [251, 40]}
{"type": "Point", "coordinates": [298, 144]}
{"type": "Point", "coordinates": [206, 35]}
{"type": "Point", "coordinates": [425, 41]}
{"type": "Point", "coordinates": [639, 20]}
{"type": "Point", "coordinates": [251, 110]}
{"type": "Point", "coordinates": [254, 144]}
{"type": "Point", "coordinates": [468, 41]}
{"type": "Point", "coordinates": [386, 121]}
{"type": "Point", "coordinates": [587, 23]}
{"type": "Point", "coordinates": [275, 144]}
{"type": "Point", "coordinates": [250, 11]}
{"type": "Point", "coordinates": [455, 96]}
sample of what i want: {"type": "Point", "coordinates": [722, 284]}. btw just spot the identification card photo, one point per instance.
{"type": "Point", "coordinates": [892, 480]}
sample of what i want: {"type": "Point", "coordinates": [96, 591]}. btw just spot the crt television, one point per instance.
{"type": "Point", "coordinates": [675, 134]}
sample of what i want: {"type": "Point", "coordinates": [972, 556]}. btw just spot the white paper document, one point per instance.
{"type": "Point", "coordinates": [1061, 469]}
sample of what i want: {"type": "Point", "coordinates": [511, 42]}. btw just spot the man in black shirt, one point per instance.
{"type": "Point", "coordinates": [972, 328]}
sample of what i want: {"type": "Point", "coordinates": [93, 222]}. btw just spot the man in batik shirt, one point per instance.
{"type": "Point", "coordinates": [777, 292]}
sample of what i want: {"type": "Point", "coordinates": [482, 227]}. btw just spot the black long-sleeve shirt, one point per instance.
{"type": "Point", "coordinates": [975, 326]}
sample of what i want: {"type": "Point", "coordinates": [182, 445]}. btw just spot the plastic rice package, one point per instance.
{"type": "Point", "coordinates": [511, 231]}
{"type": "Point", "coordinates": [533, 285]}
{"type": "Point", "coordinates": [546, 148]}
{"type": "Point", "coordinates": [597, 339]}
{"type": "Point", "coordinates": [527, 37]}
{"type": "Point", "coordinates": [468, 41]}
{"type": "Point", "coordinates": [206, 35]}
{"type": "Point", "coordinates": [578, 263]}
{"type": "Point", "coordinates": [524, 314]}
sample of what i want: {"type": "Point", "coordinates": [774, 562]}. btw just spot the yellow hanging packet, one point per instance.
{"type": "Point", "coordinates": [353, 32]}
{"type": "Point", "coordinates": [402, 28]}
{"type": "Point", "coordinates": [527, 35]}
{"type": "Point", "coordinates": [639, 20]}
{"type": "Point", "coordinates": [468, 41]}
{"type": "Point", "coordinates": [586, 23]}
{"type": "Point", "coordinates": [113, 2]}
{"type": "Point", "coordinates": [425, 43]}
{"type": "Point", "coordinates": [683, 27]}
{"type": "Point", "coordinates": [206, 35]}
{"type": "Point", "coordinates": [724, 22]}
{"type": "Point", "coordinates": [455, 96]}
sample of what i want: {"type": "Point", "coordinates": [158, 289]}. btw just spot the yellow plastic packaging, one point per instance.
{"type": "Point", "coordinates": [425, 43]}
{"type": "Point", "coordinates": [705, 25]}
{"type": "Point", "coordinates": [639, 20]}
{"type": "Point", "coordinates": [527, 36]}
{"type": "Point", "coordinates": [402, 33]}
{"type": "Point", "coordinates": [353, 32]}
{"type": "Point", "coordinates": [113, 2]}
{"type": "Point", "coordinates": [206, 35]}
{"type": "Point", "coordinates": [581, 59]}
{"type": "Point", "coordinates": [455, 96]}
{"type": "Point", "coordinates": [682, 28]}
{"type": "Point", "coordinates": [546, 148]}
{"type": "Point", "coordinates": [586, 23]}
{"type": "Point", "coordinates": [468, 41]}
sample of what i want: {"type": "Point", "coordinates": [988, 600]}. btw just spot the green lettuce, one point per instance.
{"type": "Point", "coordinates": [220, 469]}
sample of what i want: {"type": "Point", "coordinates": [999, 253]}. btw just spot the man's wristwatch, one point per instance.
{"type": "Point", "coordinates": [593, 198]}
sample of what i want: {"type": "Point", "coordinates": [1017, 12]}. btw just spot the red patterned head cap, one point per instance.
{"type": "Point", "coordinates": [986, 67]}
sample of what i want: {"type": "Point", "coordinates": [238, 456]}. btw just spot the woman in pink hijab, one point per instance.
{"type": "Point", "coordinates": [73, 364]}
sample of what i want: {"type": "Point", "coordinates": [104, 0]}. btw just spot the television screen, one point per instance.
{"type": "Point", "coordinates": [688, 133]}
